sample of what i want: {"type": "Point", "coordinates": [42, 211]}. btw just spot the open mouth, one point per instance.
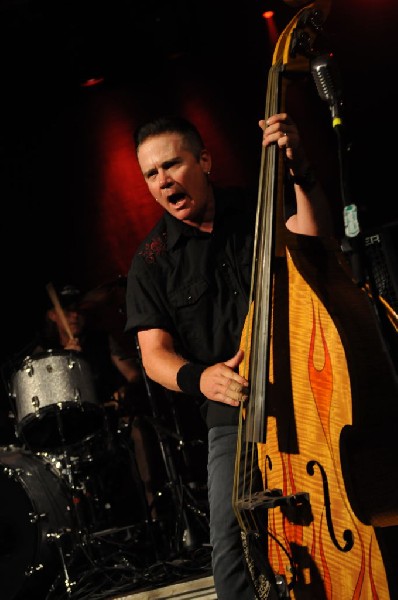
{"type": "Point", "coordinates": [175, 198]}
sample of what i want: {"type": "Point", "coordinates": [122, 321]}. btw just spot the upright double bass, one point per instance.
{"type": "Point", "coordinates": [323, 403]}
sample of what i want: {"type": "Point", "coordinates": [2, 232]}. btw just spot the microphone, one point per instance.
{"type": "Point", "coordinates": [328, 83]}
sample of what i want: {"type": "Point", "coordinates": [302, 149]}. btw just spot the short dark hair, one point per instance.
{"type": "Point", "coordinates": [171, 124]}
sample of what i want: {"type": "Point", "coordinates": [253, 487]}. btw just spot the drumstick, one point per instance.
{"type": "Point", "coordinates": [58, 308]}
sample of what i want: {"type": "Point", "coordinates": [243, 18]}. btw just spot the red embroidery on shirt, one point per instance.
{"type": "Point", "coordinates": [154, 248]}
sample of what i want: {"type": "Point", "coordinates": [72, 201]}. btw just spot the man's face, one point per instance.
{"type": "Point", "coordinates": [75, 319]}
{"type": "Point", "coordinates": [175, 177]}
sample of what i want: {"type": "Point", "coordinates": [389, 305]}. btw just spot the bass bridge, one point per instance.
{"type": "Point", "coordinates": [295, 507]}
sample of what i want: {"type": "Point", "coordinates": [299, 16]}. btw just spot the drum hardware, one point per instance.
{"type": "Point", "coordinates": [67, 581]}
{"type": "Point", "coordinates": [102, 477]}
{"type": "Point", "coordinates": [84, 514]}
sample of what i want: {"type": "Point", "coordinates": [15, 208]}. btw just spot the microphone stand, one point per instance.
{"type": "Point", "coordinates": [352, 242]}
{"type": "Point", "coordinates": [328, 84]}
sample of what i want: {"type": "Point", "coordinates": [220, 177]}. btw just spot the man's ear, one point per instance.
{"type": "Point", "coordinates": [205, 159]}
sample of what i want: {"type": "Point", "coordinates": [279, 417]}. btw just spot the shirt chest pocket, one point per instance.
{"type": "Point", "coordinates": [188, 295]}
{"type": "Point", "coordinates": [191, 306]}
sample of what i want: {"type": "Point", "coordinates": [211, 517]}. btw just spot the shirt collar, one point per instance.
{"type": "Point", "coordinates": [178, 229]}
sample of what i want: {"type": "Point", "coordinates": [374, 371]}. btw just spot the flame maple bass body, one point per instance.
{"type": "Point", "coordinates": [321, 416]}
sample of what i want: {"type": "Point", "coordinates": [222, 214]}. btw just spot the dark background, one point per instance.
{"type": "Point", "coordinates": [73, 205]}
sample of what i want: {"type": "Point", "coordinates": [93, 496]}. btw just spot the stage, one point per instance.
{"type": "Point", "coordinates": [196, 589]}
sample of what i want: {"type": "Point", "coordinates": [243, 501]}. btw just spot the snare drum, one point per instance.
{"type": "Point", "coordinates": [35, 517]}
{"type": "Point", "coordinates": [55, 400]}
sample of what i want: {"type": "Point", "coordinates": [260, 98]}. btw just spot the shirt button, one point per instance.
{"type": "Point", "coordinates": [189, 298]}
{"type": "Point", "coordinates": [235, 293]}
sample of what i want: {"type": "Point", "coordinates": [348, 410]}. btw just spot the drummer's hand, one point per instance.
{"type": "Point", "coordinates": [113, 403]}
{"type": "Point", "coordinates": [120, 394]}
{"type": "Point", "coordinates": [116, 399]}
{"type": "Point", "coordinates": [73, 344]}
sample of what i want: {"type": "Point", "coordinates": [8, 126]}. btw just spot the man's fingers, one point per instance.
{"type": "Point", "coordinates": [236, 391]}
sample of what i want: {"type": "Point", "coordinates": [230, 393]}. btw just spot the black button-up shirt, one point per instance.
{"type": "Point", "coordinates": [196, 285]}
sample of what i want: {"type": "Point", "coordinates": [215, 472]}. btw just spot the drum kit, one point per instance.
{"type": "Point", "coordinates": [71, 497]}
{"type": "Point", "coordinates": [70, 483]}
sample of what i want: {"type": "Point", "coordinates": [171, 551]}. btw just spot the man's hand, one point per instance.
{"type": "Point", "coordinates": [221, 383]}
{"type": "Point", "coordinates": [73, 344]}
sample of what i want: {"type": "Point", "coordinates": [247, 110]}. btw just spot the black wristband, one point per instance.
{"type": "Point", "coordinates": [188, 378]}
{"type": "Point", "coordinates": [306, 181]}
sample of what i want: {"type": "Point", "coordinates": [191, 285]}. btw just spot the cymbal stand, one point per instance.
{"type": "Point", "coordinates": [186, 527]}
{"type": "Point", "coordinates": [69, 477]}
{"type": "Point", "coordinates": [68, 582]}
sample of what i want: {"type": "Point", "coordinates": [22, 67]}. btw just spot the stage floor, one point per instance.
{"type": "Point", "coordinates": [113, 568]}
{"type": "Point", "coordinates": [196, 589]}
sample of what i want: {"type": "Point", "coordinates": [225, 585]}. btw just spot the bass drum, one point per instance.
{"type": "Point", "coordinates": [36, 521]}
{"type": "Point", "coordinates": [55, 400]}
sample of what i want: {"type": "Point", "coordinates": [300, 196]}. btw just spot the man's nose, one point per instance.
{"type": "Point", "coordinates": [165, 180]}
